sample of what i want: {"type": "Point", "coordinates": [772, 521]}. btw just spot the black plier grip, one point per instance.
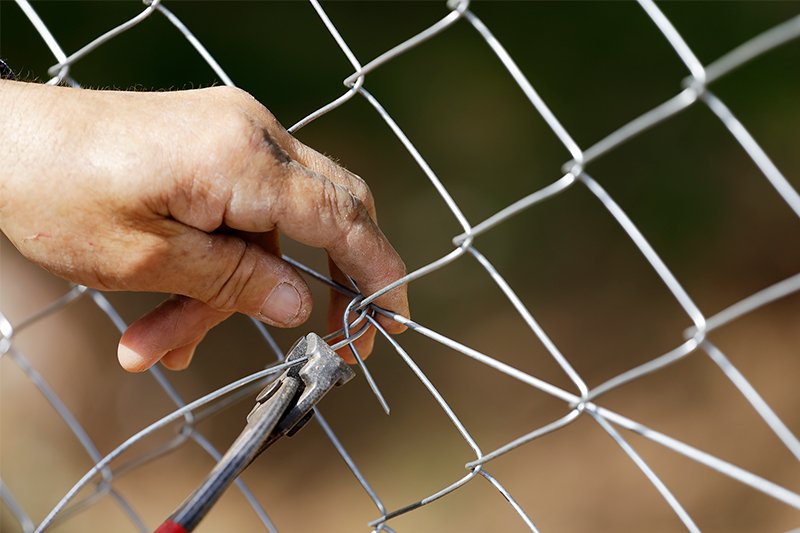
{"type": "Point", "coordinates": [282, 408]}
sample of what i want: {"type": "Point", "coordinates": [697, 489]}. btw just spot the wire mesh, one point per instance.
{"type": "Point", "coordinates": [580, 400]}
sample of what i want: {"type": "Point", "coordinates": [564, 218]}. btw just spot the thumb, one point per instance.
{"type": "Point", "coordinates": [228, 274]}
{"type": "Point", "coordinates": [220, 274]}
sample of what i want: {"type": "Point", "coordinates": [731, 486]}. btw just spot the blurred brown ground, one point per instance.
{"type": "Point", "coordinates": [690, 188]}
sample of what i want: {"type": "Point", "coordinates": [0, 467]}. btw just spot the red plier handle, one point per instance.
{"type": "Point", "coordinates": [282, 408]}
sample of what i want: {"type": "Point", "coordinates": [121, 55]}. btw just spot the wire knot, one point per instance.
{"type": "Point", "coordinates": [458, 5]}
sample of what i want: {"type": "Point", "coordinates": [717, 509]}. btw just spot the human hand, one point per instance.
{"type": "Point", "coordinates": [183, 192]}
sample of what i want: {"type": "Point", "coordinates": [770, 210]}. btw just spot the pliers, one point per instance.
{"type": "Point", "coordinates": [282, 408]}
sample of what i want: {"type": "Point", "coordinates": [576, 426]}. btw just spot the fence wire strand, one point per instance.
{"type": "Point", "coordinates": [100, 480]}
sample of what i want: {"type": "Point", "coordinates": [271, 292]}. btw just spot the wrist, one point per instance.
{"type": "Point", "coordinates": [28, 125]}
{"type": "Point", "coordinates": [33, 125]}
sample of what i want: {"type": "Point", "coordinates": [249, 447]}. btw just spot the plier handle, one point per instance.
{"type": "Point", "coordinates": [282, 408]}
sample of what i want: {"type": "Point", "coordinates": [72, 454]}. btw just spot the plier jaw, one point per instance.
{"type": "Point", "coordinates": [282, 408]}
{"type": "Point", "coordinates": [318, 370]}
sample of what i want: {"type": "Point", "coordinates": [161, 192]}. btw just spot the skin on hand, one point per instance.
{"type": "Point", "coordinates": [184, 192]}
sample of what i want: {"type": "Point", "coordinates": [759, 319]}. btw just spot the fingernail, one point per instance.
{"type": "Point", "coordinates": [130, 360]}
{"type": "Point", "coordinates": [282, 305]}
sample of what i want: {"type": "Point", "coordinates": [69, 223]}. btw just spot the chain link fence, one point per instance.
{"type": "Point", "coordinates": [579, 400]}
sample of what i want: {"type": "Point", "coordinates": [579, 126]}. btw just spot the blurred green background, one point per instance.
{"type": "Point", "coordinates": [687, 184]}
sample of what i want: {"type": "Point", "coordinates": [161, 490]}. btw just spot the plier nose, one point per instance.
{"type": "Point", "coordinates": [282, 408]}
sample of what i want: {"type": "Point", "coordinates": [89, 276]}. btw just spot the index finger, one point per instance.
{"type": "Point", "coordinates": [339, 301]}
{"type": "Point", "coordinates": [318, 212]}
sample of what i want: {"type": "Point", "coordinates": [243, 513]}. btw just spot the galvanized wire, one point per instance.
{"type": "Point", "coordinates": [582, 400]}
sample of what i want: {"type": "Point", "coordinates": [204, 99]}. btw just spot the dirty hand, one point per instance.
{"type": "Point", "coordinates": [183, 192]}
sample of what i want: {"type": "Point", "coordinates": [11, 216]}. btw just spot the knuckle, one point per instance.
{"type": "Point", "coordinates": [343, 207]}
{"type": "Point", "coordinates": [228, 290]}
{"type": "Point", "coordinates": [252, 109]}
{"type": "Point", "coordinates": [222, 149]}
{"type": "Point", "coordinates": [200, 201]}
{"type": "Point", "coordinates": [233, 94]}
{"type": "Point", "coordinates": [232, 126]}
{"type": "Point", "coordinates": [361, 190]}
{"type": "Point", "coordinates": [241, 122]}
{"type": "Point", "coordinates": [282, 189]}
{"type": "Point", "coordinates": [266, 141]}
